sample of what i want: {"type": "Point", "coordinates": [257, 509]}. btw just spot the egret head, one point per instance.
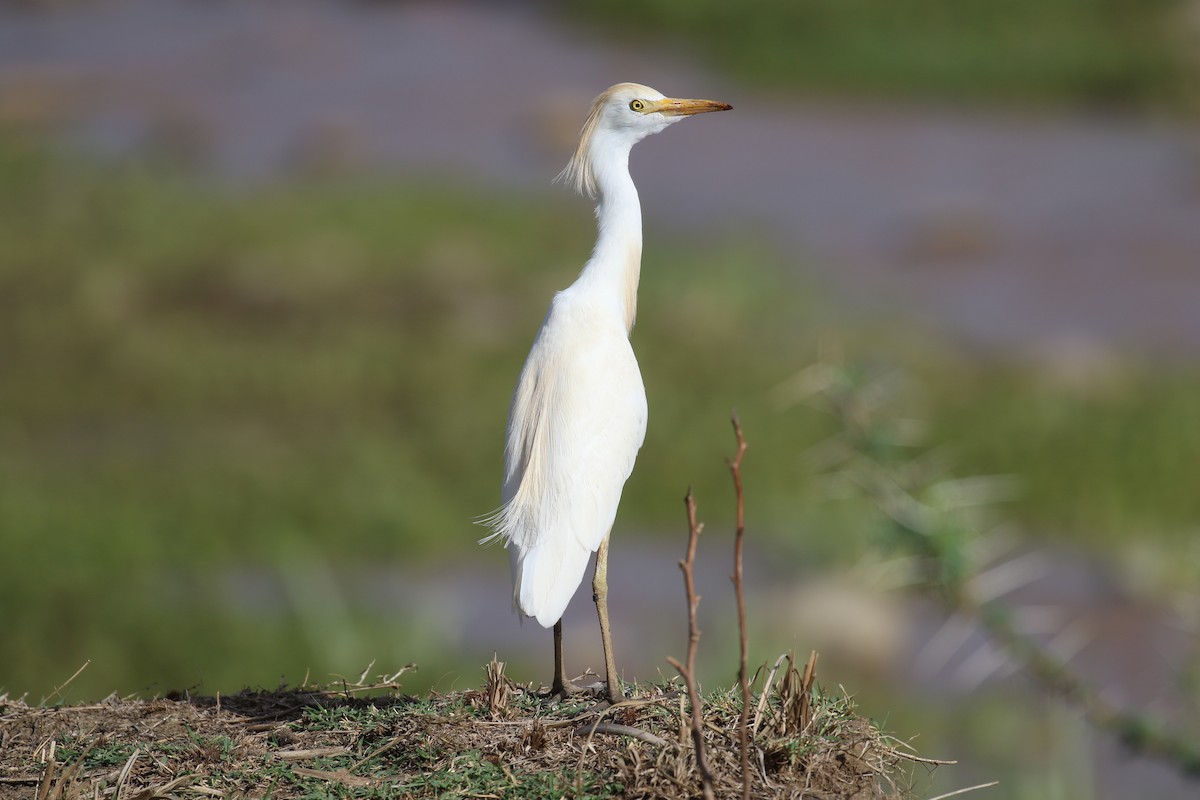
{"type": "Point", "coordinates": [620, 117]}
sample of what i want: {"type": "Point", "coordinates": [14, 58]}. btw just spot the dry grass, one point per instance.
{"type": "Point", "coordinates": [499, 741]}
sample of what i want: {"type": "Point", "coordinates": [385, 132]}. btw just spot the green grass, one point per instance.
{"type": "Point", "coordinates": [102, 754]}
{"type": "Point", "coordinates": [1104, 467]}
{"type": "Point", "coordinates": [197, 383]}
{"type": "Point", "coordinates": [1085, 53]}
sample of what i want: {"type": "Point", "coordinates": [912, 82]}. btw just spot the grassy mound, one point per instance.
{"type": "Point", "coordinates": [498, 741]}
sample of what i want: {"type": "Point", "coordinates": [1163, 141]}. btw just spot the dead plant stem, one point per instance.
{"type": "Point", "coordinates": [735, 469]}
{"type": "Point", "coordinates": [689, 671]}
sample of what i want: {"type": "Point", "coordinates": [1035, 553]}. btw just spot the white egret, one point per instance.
{"type": "Point", "coordinates": [578, 415]}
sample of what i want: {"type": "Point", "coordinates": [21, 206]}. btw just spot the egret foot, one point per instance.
{"type": "Point", "coordinates": [562, 691]}
{"type": "Point", "coordinates": [613, 694]}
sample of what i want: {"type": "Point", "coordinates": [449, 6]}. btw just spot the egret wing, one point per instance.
{"type": "Point", "coordinates": [577, 421]}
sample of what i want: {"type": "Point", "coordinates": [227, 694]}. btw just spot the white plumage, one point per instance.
{"type": "Point", "coordinates": [578, 419]}
{"type": "Point", "coordinates": [578, 415]}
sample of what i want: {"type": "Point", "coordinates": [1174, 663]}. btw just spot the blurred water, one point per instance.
{"type": "Point", "coordinates": [1022, 232]}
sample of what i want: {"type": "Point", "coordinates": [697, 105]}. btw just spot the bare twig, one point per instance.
{"type": "Point", "coordinates": [339, 776]}
{"type": "Point", "coordinates": [689, 672]}
{"type": "Point", "coordinates": [920, 759]}
{"type": "Point", "coordinates": [735, 469]}
{"type": "Point", "coordinates": [313, 752]}
{"type": "Point", "coordinates": [362, 678]}
{"type": "Point", "coordinates": [614, 729]}
{"type": "Point", "coordinates": [957, 792]}
{"type": "Point", "coordinates": [348, 689]}
{"type": "Point", "coordinates": [58, 689]}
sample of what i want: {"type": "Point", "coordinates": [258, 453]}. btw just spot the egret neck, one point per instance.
{"type": "Point", "coordinates": [613, 271]}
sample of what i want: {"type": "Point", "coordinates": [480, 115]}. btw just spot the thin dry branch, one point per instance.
{"type": "Point", "coordinates": [735, 469]}
{"type": "Point", "coordinates": [349, 688]}
{"type": "Point", "coordinates": [958, 792]}
{"type": "Point", "coordinates": [922, 759]}
{"type": "Point", "coordinates": [338, 776]}
{"type": "Point", "coordinates": [616, 729]}
{"type": "Point", "coordinates": [58, 689]}
{"type": "Point", "coordinates": [310, 753]}
{"type": "Point", "coordinates": [689, 671]}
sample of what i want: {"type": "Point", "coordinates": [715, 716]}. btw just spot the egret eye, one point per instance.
{"type": "Point", "coordinates": [637, 105]}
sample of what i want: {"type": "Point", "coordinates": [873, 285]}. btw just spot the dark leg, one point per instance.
{"type": "Point", "coordinates": [561, 687]}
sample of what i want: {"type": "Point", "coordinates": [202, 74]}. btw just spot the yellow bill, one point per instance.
{"type": "Point", "coordinates": [676, 107]}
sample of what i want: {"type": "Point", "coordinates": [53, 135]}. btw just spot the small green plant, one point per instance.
{"type": "Point", "coordinates": [932, 522]}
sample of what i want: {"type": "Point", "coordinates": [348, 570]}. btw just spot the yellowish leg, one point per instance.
{"type": "Point", "coordinates": [600, 596]}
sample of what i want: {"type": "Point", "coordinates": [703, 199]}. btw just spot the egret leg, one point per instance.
{"type": "Point", "coordinates": [600, 596]}
{"type": "Point", "coordinates": [561, 687]}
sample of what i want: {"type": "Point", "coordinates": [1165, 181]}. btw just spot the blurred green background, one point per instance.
{"type": "Point", "coordinates": [1112, 53]}
{"type": "Point", "coordinates": [226, 405]}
